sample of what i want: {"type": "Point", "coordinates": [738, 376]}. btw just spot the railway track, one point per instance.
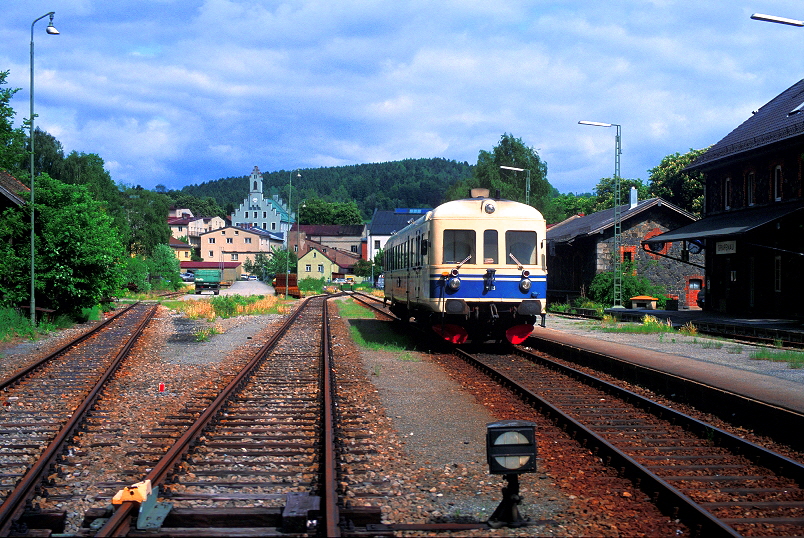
{"type": "Point", "coordinates": [47, 402]}
{"type": "Point", "coordinates": [717, 483]}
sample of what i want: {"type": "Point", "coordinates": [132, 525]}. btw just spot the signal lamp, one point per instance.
{"type": "Point", "coordinates": [510, 450]}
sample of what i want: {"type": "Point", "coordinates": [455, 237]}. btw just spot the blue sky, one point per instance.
{"type": "Point", "coordinates": [176, 92]}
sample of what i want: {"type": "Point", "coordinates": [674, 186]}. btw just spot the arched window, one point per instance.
{"type": "Point", "coordinates": [255, 186]}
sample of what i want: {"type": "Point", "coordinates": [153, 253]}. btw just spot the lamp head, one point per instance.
{"type": "Point", "coordinates": [50, 28]}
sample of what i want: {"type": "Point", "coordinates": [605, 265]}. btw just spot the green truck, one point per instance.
{"type": "Point", "coordinates": [208, 279]}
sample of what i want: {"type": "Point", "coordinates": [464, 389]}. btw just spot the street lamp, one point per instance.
{"type": "Point", "coordinates": [287, 237]}
{"type": "Point", "coordinates": [52, 31]}
{"type": "Point", "coordinates": [778, 20]}
{"type": "Point", "coordinates": [527, 181]}
{"type": "Point", "coordinates": [618, 277]}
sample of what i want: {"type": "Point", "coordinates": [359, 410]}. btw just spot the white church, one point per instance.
{"type": "Point", "coordinates": [269, 214]}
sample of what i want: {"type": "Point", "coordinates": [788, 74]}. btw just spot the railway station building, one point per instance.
{"type": "Point", "coordinates": [752, 231]}
{"type": "Point", "coordinates": [582, 246]}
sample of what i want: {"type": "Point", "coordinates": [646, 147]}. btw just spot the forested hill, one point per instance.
{"type": "Point", "coordinates": [406, 183]}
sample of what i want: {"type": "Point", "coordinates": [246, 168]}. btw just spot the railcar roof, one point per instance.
{"type": "Point", "coordinates": [473, 207]}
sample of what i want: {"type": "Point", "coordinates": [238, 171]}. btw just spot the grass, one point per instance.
{"type": "Point", "coordinates": [203, 335]}
{"type": "Point", "coordinates": [795, 359]}
{"type": "Point", "coordinates": [650, 325]}
{"type": "Point", "coordinates": [227, 306]}
{"type": "Point", "coordinates": [372, 334]}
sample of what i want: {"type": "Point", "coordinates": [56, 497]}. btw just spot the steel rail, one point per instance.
{"type": "Point", "coordinates": [366, 300]}
{"type": "Point", "coordinates": [670, 499]}
{"type": "Point", "coordinates": [15, 504]}
{"type": "Point", "coordinates": [329, 483]}
{"type": "Point", "coordinates": [17, 376]}
{"type": "Point", "coordinates": [119, 523]}
{"type": "Point", "coordinates": [756, 453]}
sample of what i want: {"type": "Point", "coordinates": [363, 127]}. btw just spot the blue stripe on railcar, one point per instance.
{"type": "Point", "coordinates": [474, 287]}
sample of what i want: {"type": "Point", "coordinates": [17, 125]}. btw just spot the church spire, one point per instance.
{"type": "Point", "coordinates": [255, 182]}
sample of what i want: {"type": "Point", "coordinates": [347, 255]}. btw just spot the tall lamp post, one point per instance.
{"type": "Point", "coordinates": [618, 275]}
{"type": "Point", "coordinates": [527, 181]}
{"type": "Point", "coordinates": [52, 31]}
{"type": "Point", "coordinates": [287, 237]}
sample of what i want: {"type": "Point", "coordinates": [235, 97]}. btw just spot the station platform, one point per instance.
{"type": "Point", "coordinates": [788, 332]}
{"type": "Point", "coordinates": [773, 383]}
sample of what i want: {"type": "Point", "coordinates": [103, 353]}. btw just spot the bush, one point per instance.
{"type": "Point", "coordinates": [602, 287]}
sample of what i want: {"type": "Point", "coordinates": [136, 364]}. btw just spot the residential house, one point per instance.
{"type": "Point", "coordinates": [348, 238]}
{"type": "Point", "coordinates": [581, 247]}
{"type": "Point", "coordinates": [183, 251]}
{"type": "Point", "coordinates": [258, 211]}
{"type": "Point", "coordinates": [384, 224]}
{"type": "Point", "coordinates": [322, 261]}
{"type": "Point", "coordinates": [192, 227]}
{"type": "Point", "coordinates": [13, 192]}
{"type": "Point", "coordinates": [752, 232]}
{"type": "Point", "coordinates": [236, 244]}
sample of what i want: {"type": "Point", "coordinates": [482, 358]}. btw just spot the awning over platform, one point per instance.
{"type": "Point", "coordinates": [730, 223]}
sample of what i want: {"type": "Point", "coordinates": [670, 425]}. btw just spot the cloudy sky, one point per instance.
{"type": "Point", "coordinates": [176, 92]}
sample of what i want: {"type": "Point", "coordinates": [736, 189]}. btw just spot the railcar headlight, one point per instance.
{"type": "Point", "coordinates": [454, 283]}
{"type": "Point", "coordinates": [489, 207]}
{"type": "Point", "coordinates": [524, 285]}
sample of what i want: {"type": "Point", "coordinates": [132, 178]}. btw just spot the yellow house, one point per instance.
{"type": "Point", "coordinates": [183, 251]}
{"type": "Point", "coordinates": [315, 264]}
{"type": "Point", "coordinates": [236, 244]}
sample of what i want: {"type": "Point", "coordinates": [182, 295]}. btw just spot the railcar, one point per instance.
{"type": "Point", "coordinates": [471, 269]}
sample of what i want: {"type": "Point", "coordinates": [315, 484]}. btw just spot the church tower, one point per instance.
{"type": "Point", "coordinates": [255, 189]}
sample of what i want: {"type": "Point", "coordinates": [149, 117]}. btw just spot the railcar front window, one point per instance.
{"type": "Point", "coordinates": [490, 251]}
{"type": "Point", "coordinates": [520, 247]}
{"type": "Point", "coordinates": [459, 245]}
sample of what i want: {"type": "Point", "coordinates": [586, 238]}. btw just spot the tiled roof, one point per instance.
{"type": "Point", "coordinates": [778, 120]}
{"type": "Point", "coordinates": [387, 222]}
{"type": "Point", "coordinates": [597, 222]}
{"type": "Point", "coordinates": [12, 188]}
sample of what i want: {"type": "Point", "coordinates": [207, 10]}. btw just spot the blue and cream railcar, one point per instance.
{"type": "Point", "coordinates": [472, 269]}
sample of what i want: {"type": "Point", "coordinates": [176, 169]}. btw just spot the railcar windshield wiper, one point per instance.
{"type": "Point", "coordinates": [519, 264]}
{"type": "Point", "coordinates": [466, 259]}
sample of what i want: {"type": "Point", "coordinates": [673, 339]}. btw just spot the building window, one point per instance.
{"type": "Point", "coordinates": [308, 268]}
{"type": "Point", "coordinates": [273, 226]}
{"type": "Point", "coordinates": [727, 193]}
{"type": "Point", "coordinates": [777, 183]}
{"type": "Point", "coordinates": [229, 240]}
{"type": "Point", "coordinates": [237, 232]}
{"type": "Point", "coordinates": [749, 188]}
{"type": "Point", "coordinates": [247, 240]}
{"type": "Point", "coordinates": [211, 240]}
{"type": "Point", "coordinates": [265, 214]}
{"type": "Point", "coordinates": [354, 249]}
{"type": "Point", "coordinates": [777, 273]}
{"type": "Point", "coordinates": [186, 254]}
{"type": "Point", "coordinates": [234, 257]}
{"type": "Point", "coordinates": [181, 228]}
{"type": "Point", "coordinates": [211, 254]}
{"type": "Point", "coordinates": [321, 268]}
{"type": "Point", "coordinates": [376, 243]}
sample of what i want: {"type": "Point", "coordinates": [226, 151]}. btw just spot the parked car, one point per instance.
{"type": "Point", "coordinates": [244, 276]}
{"type": "Point", "coordinates": [253, 277]}
{"type": "Point", "coordinates": [187, 277]}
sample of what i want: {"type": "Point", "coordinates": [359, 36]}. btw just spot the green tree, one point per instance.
{"type": "Point", "coordinates": [511, 151]}
{"type": "Point", "coordinates": [279, 261]}
{"type": "Point", "coordinates": [604, 192]}
{"type": "Point", "coordinates": [12, 140]}
{"type": "Point", "coordinates": [671, 182]}
{"type": "Point", "coordinates": [164, 268]}
{"type": "Point", "coordinates": [601, 289]}
{"type": "Point", "coordinates": [77, 249]}
{"type": "Point", "coordinates": [260, 265]}
{"type": "Point", "coordinates": [362, 268]}
{"type": "Point", "coordinates": [146, 213]}
{"type": "Point", "coordinates": [570, 204]}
